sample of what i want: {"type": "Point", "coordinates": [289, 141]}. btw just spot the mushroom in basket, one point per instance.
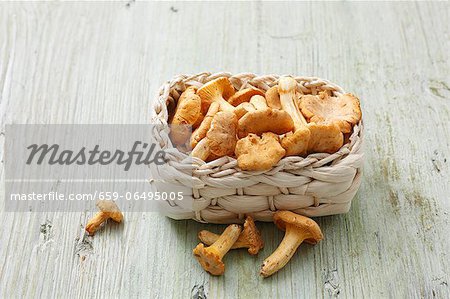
{"type": "Point", "coordinates": [244, 95]}
{"type": "Point", "coordinates": [298, 229]}
{"type": "Point", "coordinates": [343, 110]}
{"type": "Point", "coordinates": [218, 90]}
{"type": "Point", "coordinates": [306, 138]}
{"type": "Point", "coordinates": [273, 97]}
{"type": "Point", "coordinates": [187, 113]}
{"type": "Point", "coordinates": [201, 131]}
{"type": "Point", "coordinates": [264, 119]}
{"type": "Point", "coordinates": [220, 140]}
{"type": "Point", "coordinates": [210, 258]}
{"type": "Point", "coordinates": [259, 153]}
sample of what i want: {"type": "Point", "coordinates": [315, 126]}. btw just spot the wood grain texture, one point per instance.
{"type": "Point", "coordinates": [103, 63]}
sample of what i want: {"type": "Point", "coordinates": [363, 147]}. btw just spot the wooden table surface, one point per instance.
{"type": "Point", "coordinates": [103, 63]}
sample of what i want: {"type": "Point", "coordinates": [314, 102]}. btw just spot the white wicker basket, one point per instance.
{"type": "Point", "coordinates": [318, 185]}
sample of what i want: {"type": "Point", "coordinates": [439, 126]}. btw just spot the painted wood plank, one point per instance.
{"type": "Point", "coordinates": [103, 62]}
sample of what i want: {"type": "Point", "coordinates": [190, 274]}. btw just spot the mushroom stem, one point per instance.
{"type": "Point", "coordinates": [224, 105]}
{"type": "Point", "coordinates": [226, 240]}
{"type": "Point", "coordinates": [281, 256]}
{"type": "Point", "coordinates": [209, 238]}
{"type": "Point", "coordinates": [287, 89]}
{"type": "Point", "coordinates": [108, 209]}
{"type": "Point", "coordinates": [249, 237]}
{"type": "Point", "coordinates": [95, 222]}
{"type": "Point", "coordinates": [295, 143]}
{"type": "Point", "coordinates": [210, 258]}
{"type": "Point", "coordinates": [202, 149]}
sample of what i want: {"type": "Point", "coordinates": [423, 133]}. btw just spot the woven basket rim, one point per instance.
{"type": "Point", "coordinates": [226, 164]}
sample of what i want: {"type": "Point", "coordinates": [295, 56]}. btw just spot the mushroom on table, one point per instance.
{"type": "Point", "coordinates": [108, 210]}
{"type": "Point", "coordinates": [210, 258]}
{"type": "Point", "coordinates": [298, 229]}
{"type": "Point", "coordinates": [250, 237]}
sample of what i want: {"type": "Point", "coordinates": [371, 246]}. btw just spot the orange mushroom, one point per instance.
{"type": "Point", "coordinates": [244, 95]}
{"type": "Point", "coordinates": [210, 258]}
{"type": "Point", "coordinates": [298, 229]}
{"type": "Point", "coordinates": [108, 209]}
{"type": "Point", "coordinates": [264, 119]}
{"type": "Point", "coordinates": [250, 237]}
{"type": "Point", "coordinates": [218, 90]}
{"type": "Point", "coordinates": [187, 115]}
{"type": "Point", "coordinates": [343, 110]}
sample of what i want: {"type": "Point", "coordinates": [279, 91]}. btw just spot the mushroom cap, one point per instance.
{"type": "Point", "coordinates": [244, 95]}
{"type": "Point", "coordinates": [255, 153]}
{"type": "Point", "coordinates": [343, 110]}
{"type": "Point", "coordinates": [222, 133]}
{"type": "Point", "coordinates": [265, 120]}
{"type": "Point", "coordinates": [309, 228]}
{"type": "Point", "coordinates": [218, 88]}
{"type": "Point", "coordinates": [259, 102]}
{"type": "Point", "coordinates": [296, 144]}
{"type": "Point", "coordinates": [187, 113]}
{"type": "Point", "coordinates": [251, 234]}
{"type": "Point", "coordinates": [286, 85]}
{"type": "Point", "coordinates": [325, 138]}
{"type": "Point", "coordinates": [273, 98]}
{"type": "Point", "coordinates": [110, 208]}
{"type": "Point", "coordinates": [209, 259]}
{"type": "Point", "coordinates": [243, 108]}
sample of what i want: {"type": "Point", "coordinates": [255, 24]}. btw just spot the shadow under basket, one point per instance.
{"type": "Point", "coordinates": [219, 192]}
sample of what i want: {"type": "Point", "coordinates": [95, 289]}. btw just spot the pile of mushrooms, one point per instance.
{"type": "Point", "coordinates": [298, 229]}
{"type": "Point", "coordinates": [260, 128]}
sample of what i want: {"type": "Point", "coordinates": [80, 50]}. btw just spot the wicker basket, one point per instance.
{"type": "Point", "coordinates": [318, 185]}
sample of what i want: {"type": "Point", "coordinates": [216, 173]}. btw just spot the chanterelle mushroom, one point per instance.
{"type": "Point", "coordinates": [201, 131]}
{"type": "Point", "coordinates": [306, 138]}
{"type": "Point", "coordinates": [243, 108]}
{"type": "Point", "coordinates": [218, 90]}
{"type": "Point", "coordinates": [250, 237]}
{"type": "Point", "coordinates": [294, 143]}
{"type": "Point", "coordinates": [298, 229]}
{"type": "Point", "coordinates": [255, 153]}
{"type": "Point", "coordinates": [220, 139]}
{"type": "Point", "coordinates": [210, 258]}
{"type": "Point", "coordinates": [344, 110]}
{"type": "Point", "coordinates": [187, 114]}
{"type": "Point", "coordinates": [108, 209]}
{"type": "Point", "coordinates": [273, 98]}
{"type": "Point", "coordinates": [264, 119]}
{"type": "Point", "coordinates": [244, 95]}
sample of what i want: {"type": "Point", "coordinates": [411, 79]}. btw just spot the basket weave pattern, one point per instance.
{"type": "Point", "coordinates": [318, 185]}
